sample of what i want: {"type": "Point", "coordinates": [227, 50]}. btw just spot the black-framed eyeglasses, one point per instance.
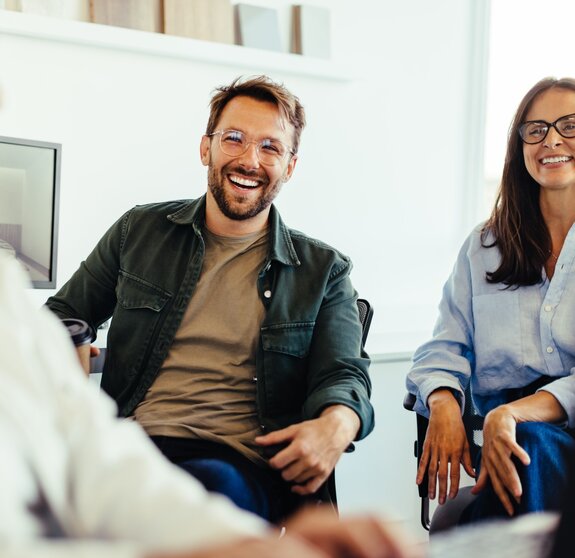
{"type": "Point", "coordinates": [235, 143]}
{"type": "Point", "coordinates": [535, 131]}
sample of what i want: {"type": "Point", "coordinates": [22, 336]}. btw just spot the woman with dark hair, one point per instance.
{"type": "Point", "coordinates": [507, 327]}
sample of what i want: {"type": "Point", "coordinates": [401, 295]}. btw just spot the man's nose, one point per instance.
{"type": "Point", "coordinates": [250, 158]}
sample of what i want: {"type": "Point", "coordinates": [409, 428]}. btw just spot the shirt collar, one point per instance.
{"type": "Point", "coordinates": [281, 245]}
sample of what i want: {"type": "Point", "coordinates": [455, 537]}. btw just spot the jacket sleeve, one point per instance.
{"type": "Point", "coordinates": [90, 294]}
{"type": "Point", "coordinates": [445, 360]}
{"type": "Point", "coordinates": [338, 366]}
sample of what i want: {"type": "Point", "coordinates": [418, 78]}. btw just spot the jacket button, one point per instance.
{"type": "Point", "coordinates": [268, 294]}
{"type": "Point", "coordinates": [255, 378]}
{"type": "Point", "coordinates": [262, 426]}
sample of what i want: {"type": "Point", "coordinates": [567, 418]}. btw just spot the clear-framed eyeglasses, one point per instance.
{"type": "Point", "coordinates": [235, 143]}
{"type": "Point", "coordinates": [535, 131]}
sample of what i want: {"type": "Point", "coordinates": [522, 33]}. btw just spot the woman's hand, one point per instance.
{"type": "Point", "coordinates": [499, 447]}
{"type": "Point", "coordinates": [445, 446]}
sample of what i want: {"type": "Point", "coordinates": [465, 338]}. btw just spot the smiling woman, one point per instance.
{"type": "Point", "coordinates": [511, 45]}
{"type": "Point", "coordinates": [505, 279]}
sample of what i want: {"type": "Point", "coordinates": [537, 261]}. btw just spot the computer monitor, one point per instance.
{"type": "Point", "coordinates": [29, 199]}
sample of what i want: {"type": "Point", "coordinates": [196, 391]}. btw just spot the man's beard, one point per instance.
{"type": "Point", "coordinates": [238, 208]}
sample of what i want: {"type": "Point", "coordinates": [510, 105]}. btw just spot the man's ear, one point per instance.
{"type": "Point", "coordinates": [290, 168]}
{"type": "Point", "coordinates": [205, 145]}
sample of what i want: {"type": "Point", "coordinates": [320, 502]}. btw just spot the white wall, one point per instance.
{"type": "Point", "coordinates": [383, 165]}
{"type": "Point", "coordinates": [379, 476]}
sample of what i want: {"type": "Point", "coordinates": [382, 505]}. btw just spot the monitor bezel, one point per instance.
{"type": "Point", "coordinates": [49, 283]}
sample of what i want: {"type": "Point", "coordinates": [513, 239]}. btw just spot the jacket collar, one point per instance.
{"type": "Point", "coordinates": [281, 245]}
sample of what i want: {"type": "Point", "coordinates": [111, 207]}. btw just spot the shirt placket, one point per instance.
{"type": "Point", "coordinates": [555, 290]}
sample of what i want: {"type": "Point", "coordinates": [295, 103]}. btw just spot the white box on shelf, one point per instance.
{"type": "Point", "coordinates": [311, 31]}
{"type": "Point", "coordinates": [258, 27]}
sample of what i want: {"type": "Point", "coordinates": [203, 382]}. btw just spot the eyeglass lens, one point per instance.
{"type": "Point", "coordinates": [234, 143]}
{"type": "Point", "coordinates": [536, 131]}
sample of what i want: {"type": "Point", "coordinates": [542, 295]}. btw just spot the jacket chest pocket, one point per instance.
{"type": "Point", "coordinates": [285, 352]}
{"type": "Point", "coordinates": [136, 316]}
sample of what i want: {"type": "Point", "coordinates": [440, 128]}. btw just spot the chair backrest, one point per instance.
{"type": "Point", "coordinates": [365, 315]}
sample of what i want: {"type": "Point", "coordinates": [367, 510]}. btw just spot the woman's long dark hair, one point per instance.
{"type": "Point", "coordinates": [516, 222]}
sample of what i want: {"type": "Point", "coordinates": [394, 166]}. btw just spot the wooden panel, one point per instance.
{"type": "Point", "coordinates": [208, 20]}
{"type": "Point", "coordinates": [145, 15]}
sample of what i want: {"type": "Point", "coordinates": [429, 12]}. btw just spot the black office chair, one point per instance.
{"type": "Point", "coordinates": [448, 514]}
{"type": "Point", "coordinates": [365, 316]}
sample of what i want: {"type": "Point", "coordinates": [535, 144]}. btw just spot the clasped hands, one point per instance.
{"type": "Point", "coordinates": [446, 448]}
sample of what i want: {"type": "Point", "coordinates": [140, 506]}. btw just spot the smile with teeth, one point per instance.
{"type": "Point", "coordinates": [556, 159]}
{"type": "Point", "coordinates": [243, 182]}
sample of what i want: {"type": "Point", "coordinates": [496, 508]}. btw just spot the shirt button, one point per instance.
{"type": "Point", "coordinates": [549, 349]}
{"type": "Point", "coordinates": [548, 308]}
{"type": "Point", "coordinates": [268, 294]}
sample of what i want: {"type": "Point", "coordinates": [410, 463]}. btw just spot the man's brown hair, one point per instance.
{"type": "Point", "coordinates": [261, 88]}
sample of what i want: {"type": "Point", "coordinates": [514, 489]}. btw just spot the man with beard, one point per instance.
{"type": "Point", "coordinates": [235, 341]}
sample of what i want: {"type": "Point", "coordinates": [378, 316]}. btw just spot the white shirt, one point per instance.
{"type": "Point", "coordinates": [70, 469]}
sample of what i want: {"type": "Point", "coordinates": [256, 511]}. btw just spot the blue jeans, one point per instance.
{"type": "Point", "coordinates": [544, 480]}
{"type": "Point", "coordinates": [222, 477]}
{"type": "Point", "coordinates": [223, 470]}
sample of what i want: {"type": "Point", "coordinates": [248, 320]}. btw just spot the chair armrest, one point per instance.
{"type": "Point", "coordinates": [409, 401]}
{"type": "Point", "coordinates": [422, 423]}
{"type": "Point", "coordinates": [97, 362]}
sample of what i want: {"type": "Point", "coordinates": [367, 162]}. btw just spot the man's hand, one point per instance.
{"type": "Point", "coordinates": [357, 537]}
{"type": "Point", "coordinates": [317, 533]}
{"type": "Point", "coordinates": [499, 446]}
{"type": "Point", "coordinates": [313, 447]}
{"type": "Point", "coordinates": [268, 547]}
{"type": "Point", "coordinates": [445, 447]}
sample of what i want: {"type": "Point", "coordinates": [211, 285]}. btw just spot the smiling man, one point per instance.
{"type": "Point", "coordinates": [235, 341]}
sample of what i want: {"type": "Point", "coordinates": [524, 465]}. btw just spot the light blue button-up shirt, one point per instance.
{"type": "Point", "coordinates": [500, 338]}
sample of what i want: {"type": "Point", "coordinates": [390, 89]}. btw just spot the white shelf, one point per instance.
{"type": "Point", "coordinates": [158, 44]}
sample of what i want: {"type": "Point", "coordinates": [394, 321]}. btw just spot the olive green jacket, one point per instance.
{"type": "Point", "coordinates": [144, 271]}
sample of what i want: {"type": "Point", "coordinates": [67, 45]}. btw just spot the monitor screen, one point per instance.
{"type": "Point", "coordinates": [29, 198]}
